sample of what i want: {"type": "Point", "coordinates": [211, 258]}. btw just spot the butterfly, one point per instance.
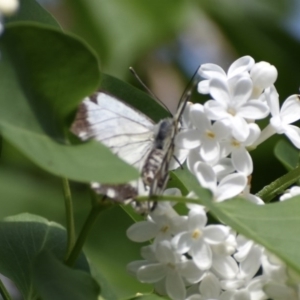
{"type": "Point", "coordinates": [132, 136]}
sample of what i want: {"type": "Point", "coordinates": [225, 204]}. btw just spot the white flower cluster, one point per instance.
{"type": "Point", "coordinates": [188, 258]}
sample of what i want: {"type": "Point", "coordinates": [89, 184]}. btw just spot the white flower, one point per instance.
{"type": "Point", "coordinates": [161, 224]}
{"type": "Point", "coordinates": [168, 268]}
{"type": "Point", "coordinates": [221, 167]}
{"type": "Point", "coordinates": [245, 289]}
{"type": "Point", "coordinates": [209, 71]}
{"type": "Point", "coordinates": [204, 135]}
{"type": "Point", "coordinates": [292, 192]}
{"type": "Point", "coordinates": [281, 283]}
{"type": "Point", "coordinates": [249, 256]}
{"type": "Point", "coordinates": [250, 197]}
{"type": "Point", "coordinates": [233, 103]}
{"type": "Point", "coordinates": [209, 289]}
{"type": "Point", "coordinates": [196, 240]}
{"type": "Point", "coordinates": [8, 7]}
{"type": "Point", "coordinates": [223, 264]}
{"type": "Point", "coordinates": [263, 75]}
{"type": "Point", "coordinates": [280, 291]}
{"type": "Point", "coordinates": [282, 118]}
{"type": "Point", "coordinates": [229, 187]}
{"type": "Point", "coordinates": [241, 159]}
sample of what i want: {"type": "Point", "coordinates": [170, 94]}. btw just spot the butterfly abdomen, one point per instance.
{"type": "Point", "coordinates": [152, 164]}
{"type": "Point", "coordinates": [156, 157]}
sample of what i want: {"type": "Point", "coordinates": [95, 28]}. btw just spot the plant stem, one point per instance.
{"type": "Point", "coordinates": [3, 291]}
{"type": "Point", "coordinates": [89, 222]}
{"type": "Point", "coordinates": [279, 185]}
{"type": "Point", "coordinates": [69, 216]}
{"type": "Point", "coordinates": [160, 198]}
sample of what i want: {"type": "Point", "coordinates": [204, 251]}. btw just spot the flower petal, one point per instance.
{"type": "Point", "coordinates": [254, 109]}
{"type": "Point", "coordinates": [175, 287]}
{"type": "Point", "coordinates": [188, 139]}
{"type": "Point", "coordinates": [293, 133]}
{"type": "Point", "coordinates": [242, 161]}
{"type": "Point", "coordinates": [225, 267]}
{"type": "Point", "coordinates": [272, 98]}
{"type": "Point", "coordinates": [142, 231]}
{"type": "Point", "coordinates": [203, 87]}
{"type": "Point", "coordinates": [252, 263]}
{"type": "Point", "coordinates": [199, 118]}
{"type": "Point", "coordinates": [210, 287]}
{"type": "Point", "coordinates": [241, 92]}
{"type": "Point", "coordinates": [290, 109]}
{"type": "Point", "coordinates": [230, 186]}
{"type": "Point", "coordinates": [240, 129]}
{"type": "Point", "coordinates": [206, 176]}
{"type": "Point", "coordinates": [182, 242]}
{"type": "Point", "coordinates": [219, 91]}
{"type": "Point", "coordinates": [215, 110]}
{"type": "Point", "coordinates": [151, 273]}
{"type": "Point", "coordinates": [240, 66]}
{"type": "Point", "coordinates": [191, 272]}
{"type": "Point", "coordinates": [211, 71]}
{"type": "Point", "coordinates": [202, 255]}
{"type": "Point", "coordinates": [214, 234]}
{"type": "Point", "coordinates": [210, 150]}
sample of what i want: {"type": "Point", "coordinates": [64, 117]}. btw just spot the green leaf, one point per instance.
{"type": "Point", "coordinates": [81, 162]}
{"type": "Point", "coordinates": [31, 10]}
{"type": "Point", "coordinates": [22, 238]}
{"type": "Point", "coordinates": [274, 226]}
{"type": "Point", "coordinates": [45, 75]}
{"type": "Point", "coordinates": [287, 154]}
{"type": "Point", "coordinates": [54, 280]}
{"type": "Point", "coordinates": [109, 251]}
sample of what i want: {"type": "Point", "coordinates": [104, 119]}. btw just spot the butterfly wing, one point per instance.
{"type": "Point", "coordinates": [127, 132]}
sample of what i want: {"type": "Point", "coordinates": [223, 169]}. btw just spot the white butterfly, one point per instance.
{"type": "Point", "coordinates": [134, 137]}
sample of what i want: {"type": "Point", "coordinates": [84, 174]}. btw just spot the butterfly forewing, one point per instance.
{"type": "Point", "coordinates": [128, 133]}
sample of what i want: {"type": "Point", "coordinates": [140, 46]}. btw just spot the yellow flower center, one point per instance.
{"type": "Point", "coordinates": [231, 111]}
{"type": "Point", "coordinates": [164, 229]}
{"type": "Point", "coordinates": [196, 234]}
{"type": "Point", "coordinates": [210, 134]}
{"type": "Point", "coordinates": [235, 143]}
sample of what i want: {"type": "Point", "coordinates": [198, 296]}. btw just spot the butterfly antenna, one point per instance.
{"type": "Point", "coordinates": [147, 89]}
{"type": "Point", "coordinates": [191, 84]}
{"type": "Point", "coordinates": [186, 95]}
{"type": "Point", "coordinates": [177, 160]}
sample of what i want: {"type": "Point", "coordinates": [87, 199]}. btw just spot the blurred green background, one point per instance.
{"type": "Point", "coordinates": [165, 41]}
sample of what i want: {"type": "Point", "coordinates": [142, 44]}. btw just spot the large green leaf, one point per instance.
{"type": "Point", "coordinates": [110, 251]}
{"type": "Point", "coordinates": [54, 280]}
{"type": "Point", "coordinates": [85, 162]}
{"type": "Point", "coordinates": [22, 238]}
{"type": "Point", "coordinates": [45, 75]}
{"type": "Point", "coordinates": [274, 226]}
